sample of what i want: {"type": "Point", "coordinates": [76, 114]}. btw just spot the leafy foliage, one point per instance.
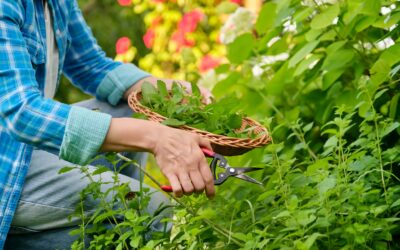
{"type": "Point", "coordinates": [324, 77]}
{"type": "Point", "coordinates": [181, 108]}
{"type": "Point", "coordinates": [119, 222]}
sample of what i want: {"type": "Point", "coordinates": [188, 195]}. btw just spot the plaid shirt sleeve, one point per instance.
{"type": "Point", "coordinates": [87, 66]}
{"type": "Point", "coordinates": [24, 113]}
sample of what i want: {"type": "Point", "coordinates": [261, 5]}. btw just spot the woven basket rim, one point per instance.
{"type": "Point", "coordinates": [262, 138]}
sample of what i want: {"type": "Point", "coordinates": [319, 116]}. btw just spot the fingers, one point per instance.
{"type": "Point", "coordinates": [186, 183]}
{"type": "Point", "coordinates": [197, 180]}
{"type": "Point", "coordinates": [175, 184]}
{"type": "Point", "coordinates": [204, 143]}
{"type": "Point", "coordinates": [180, 158]}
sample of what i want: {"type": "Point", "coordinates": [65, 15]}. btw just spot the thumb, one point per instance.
{"type": "Point", "coordinates": [205, 143]}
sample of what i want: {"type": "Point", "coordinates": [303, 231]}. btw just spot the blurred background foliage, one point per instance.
{"type": "Point", "coordinates": [109, 21]}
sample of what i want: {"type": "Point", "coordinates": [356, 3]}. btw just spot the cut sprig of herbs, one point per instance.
{"type": "Point", "coordinates": [180, 108]}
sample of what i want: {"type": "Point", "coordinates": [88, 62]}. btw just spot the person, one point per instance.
{"type": "Point", "coordinates": [39, 41]}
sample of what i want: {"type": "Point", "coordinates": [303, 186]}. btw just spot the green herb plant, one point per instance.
{"type": "Point", "coordinates": [119, 220]}
{"type": "Point", "coordinates": [181, 108]}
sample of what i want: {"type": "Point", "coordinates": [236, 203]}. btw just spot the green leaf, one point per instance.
{"type": "Point", "coordinates": [385, 22]}
{"type": "Point", "coordinates": [100, 170]}
{"type": "Point", "coordinates": [338, 59]}
{"type": "Point", "coordinates": [135, 241]}
{"type": "Point", "coordinates": [311, 240]}
{"type": "Point", "coordinates": [65, 170]}
{"type": "Point", "coordinates": [306, 64]}
{"type": "Point", "coordinates": [389, 129]}
{"type": "Point", "coordinates": [380, 72]}
{"type": "Point", "coordinates": [148, 92]}
{"type": "Point", "coordinates": [266, 18]}
{"type": "Point", "coordinates": [330, 77]}
{"type": "Point", "coordinates": [173, 122]}
{"type": "Point", "coordinates": [195, 90]}
{"type": "Point", "coordinates": [308, 127]}
{"type": "Point", "coordinates": [302, 53]}
{"type": "Point", "coordinates": [393, 106]}
{"type": "Point", "coordinates": [325, 18]}
{"type": "Point", "coordinates": [326, 185]}
{"type": "Point", "coordinates": [227, 85]}
{"type": "Point", "coordinates": [395, 204]}
{"type": "Point", "coordinates": [391, 55]}
{"type": "Point", "coordinates": [302, 14]}
{"type": "Point", "coordinates": [177, 93]}
{"type": "Point", "coordinates": [240, 49]}
{"type": "Point", "coordinates": [234, 121]}
{"type": "Point", "coordinates": [371, 7]}
{"type": "Point", "coordinates": [332, 48]}
{"type": "Point", "coordinates": [104, 216]}
{"type": "Point", "coordinates": [162, 88]}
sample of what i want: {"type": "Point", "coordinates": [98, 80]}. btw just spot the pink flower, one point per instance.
{"type": "Point", "coordinates": [149, 37]}
{"type": "Point", "coordinates": [239, 2]}
{"type": "Point", "coordinates": [179, 37]}
{"type": "Point", "coordinates": [208, 62]}
{"type": "Point", "coordinates": [190, 21]}
{"type": "Point", "coordinates": [123, 45]}
{"type": "Point", "coordinates": [125, 2]}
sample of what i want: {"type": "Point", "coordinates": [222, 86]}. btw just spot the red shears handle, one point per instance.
{"type": "Point", "coordinates": [208, 153]}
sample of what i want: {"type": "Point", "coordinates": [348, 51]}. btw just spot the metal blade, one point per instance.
{"type": "Point", "coordinates": [246, 170]}
{"type": "Point", "coordinates": [248, 178]}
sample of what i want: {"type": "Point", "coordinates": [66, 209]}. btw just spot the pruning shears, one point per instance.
{"type": "Point", "coordinates": [220, 161]}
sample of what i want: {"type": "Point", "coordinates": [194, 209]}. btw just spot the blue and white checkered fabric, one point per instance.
{"type": "Point", "coordinates": [27, 119]}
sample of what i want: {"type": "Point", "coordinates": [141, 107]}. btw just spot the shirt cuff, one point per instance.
{"type": "Point", "coordinates": [84, 134]}
{"type": "Point", "coordinates": [118, 81]}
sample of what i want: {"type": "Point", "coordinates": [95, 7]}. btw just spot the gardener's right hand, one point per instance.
{"type": "Point", "coordinates": [178, 153]}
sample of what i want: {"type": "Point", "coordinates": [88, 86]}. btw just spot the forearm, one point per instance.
{"type": "Point", "coordinates": [128, 134]}
{"type": "Point", "coordinates": [177, 152]}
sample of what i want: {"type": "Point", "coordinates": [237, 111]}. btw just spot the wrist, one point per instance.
{"type": "Point", "coordinates": [129, 134]}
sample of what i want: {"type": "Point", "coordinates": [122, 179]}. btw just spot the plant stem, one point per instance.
{"type": "Point", "coordinates": [218, 228]}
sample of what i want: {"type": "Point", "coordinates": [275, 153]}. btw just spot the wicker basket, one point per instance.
{"type": "Point", "coordinates": [221, 144]}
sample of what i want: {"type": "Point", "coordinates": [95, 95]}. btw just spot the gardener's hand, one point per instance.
{"type": "Point", "coordinates": [178, 153]}
{"type": "Point", "coordinates": [206, 93]}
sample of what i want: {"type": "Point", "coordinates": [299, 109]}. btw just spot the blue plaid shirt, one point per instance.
{"type": "Point", "coordinates": [29, 120]}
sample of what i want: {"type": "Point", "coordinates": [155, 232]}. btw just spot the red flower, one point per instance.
{"type": "Point", "coordinates": [125, 2]}
{"type": "Point", "coordinates": [123, 45]}
{"type": "Point", "coordinates": [240, 2]}
{"type": "Point", "coordinates": [149, 37]}
{"type": "Point", "coordinates": [179, 37]}
{"type": "Point", "coordinates": [190, 21]}
{"type": "Point", "coordinates": [208, 62]}
{"type": "Point", "coordinates": [159, 1]}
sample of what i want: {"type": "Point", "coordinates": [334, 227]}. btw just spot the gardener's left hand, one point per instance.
{"type": "Point", "coordinates": [153, 80]}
